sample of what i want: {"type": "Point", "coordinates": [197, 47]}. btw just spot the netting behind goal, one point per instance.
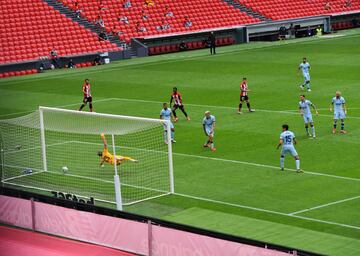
{"type": "Point", "coordinates": [34, 160]}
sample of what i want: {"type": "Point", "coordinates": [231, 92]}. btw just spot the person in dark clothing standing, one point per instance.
{"type": "Point", "coordinates": [212, 43]}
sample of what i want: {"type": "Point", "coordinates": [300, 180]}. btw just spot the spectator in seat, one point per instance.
{"type": "Point", "coordinates": [99, 21]}
{"type": "Point", "coordinates": [187, 22]}
{"type": "Point", "coordinates": [212, 43]}
{"type": "Point", "coordinates": [347, 3]}
{"type": "Point", "coordinates": [139, 28]}
{"type": "Point", "coordinates": [164, 25]}
{"type": "Point", "coordinates": [103, 36]}
{"type": "Point", "coordinates": [149, 3]}
{"type": "Point", "coordinates": [183, 46]}
{"type": "Point", "coordinates": [127, 4]}
{"type": "Point", "coordinates": [327, 6]}
{"type": "Point", "coordinates": [144, 16]}
{"type": "Point", "coordinates": [168, 13]}
{"type": "Point", "coordinates": [54, 58]}
{"type": "Point", "coordinates": [71, 64]}
{"type": "Point", "coordinates": [77, 9]}
{"type": "Point", "coordinates": [124, 19]}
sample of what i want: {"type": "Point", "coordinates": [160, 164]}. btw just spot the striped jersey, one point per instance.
{"type": "Point", "coordinates": [86, 90]}
{"type": "Point", "coordinates": [243, 88]}
{"type": "Point", "coordinates": [177, 98]}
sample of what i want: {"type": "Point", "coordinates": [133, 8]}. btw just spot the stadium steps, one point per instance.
{"type": "Point", "coordinates": [247, 10]}
{"type": "Point", "coordinates": [85, 23]}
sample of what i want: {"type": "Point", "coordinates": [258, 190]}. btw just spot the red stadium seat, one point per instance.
{"type": "Point", "coordinates": [23, 45]}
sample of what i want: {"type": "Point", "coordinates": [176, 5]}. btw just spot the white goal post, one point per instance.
{"type": "Point", "coordinates": [59, 153]}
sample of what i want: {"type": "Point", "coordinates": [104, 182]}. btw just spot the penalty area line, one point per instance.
{"type": "Point", "coordinates": [289, 112]}
{"type": "Point", "coordinates": [266, 211]}
{"type": "Point", "coordinates": [59, 106]}
{"type": "Point", "coordinates": [230, 161]}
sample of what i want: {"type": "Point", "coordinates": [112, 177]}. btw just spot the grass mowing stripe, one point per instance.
{"type": "Point", "coordinates": [325, 205]}
{"type": "Point", "coordinates": [176, 57]}
{"type": "Point", "coordinates": [267, 211]}
{"type": "Point", "coordinates": [267, 166]}
{"type": "Point", "coordinates": [225, 107]}
{"type": "Point", "coordinates": [233, 161]}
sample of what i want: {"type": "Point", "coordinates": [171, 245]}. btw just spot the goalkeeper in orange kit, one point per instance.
{"type": "Point", "coordinates": [107, 157]}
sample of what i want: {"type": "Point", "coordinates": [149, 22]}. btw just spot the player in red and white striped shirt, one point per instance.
{"type": "Point", "coordinates": [87, 95]}
{"type": "Point", "coordinates": [244, 96]}
{"type": "Point", "coordinates": [176, 97]}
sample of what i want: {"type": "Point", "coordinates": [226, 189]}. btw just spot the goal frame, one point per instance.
{"type": "Point", "coordinates": [117, 181]}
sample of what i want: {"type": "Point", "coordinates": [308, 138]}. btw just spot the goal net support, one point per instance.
{"type": "Point", "coordinates": [57, 150]}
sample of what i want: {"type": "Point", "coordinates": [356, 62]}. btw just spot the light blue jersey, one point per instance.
{"type": "Point", "coordinates": [338, 107]}
{"type": "Point", "coordinates": [288, 143]}
{"type": "Point", "coordinates": [166, 115]}
{"type": "Point", "coordinates": [305, 68]}
{"type": "Point", "coordinates": [209, 122]}
{"type": "Point", "coordinates": [305, 107]}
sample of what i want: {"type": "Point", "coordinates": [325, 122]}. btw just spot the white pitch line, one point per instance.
{"type": "Point", "coordinates": [217, 201]}
{"type": "Point", "coordinates": [59, 106]}
{"type": "Point", "coordinates": [230, 161]}
{"type": "Point", "coordinates": [290, 112]}
{"type": "Point", "coordinates": [267, 166]}
{"type": "Point", "coordinates": [267, 211]}
{"type": "Point", "coordinates": [230, 108]}
{"type": "Point", "coordinates": [20, 176]}
{"type": "Point", "coordinates": [37, 147]}
{"type": "Point", "coordinates": [325, 205]}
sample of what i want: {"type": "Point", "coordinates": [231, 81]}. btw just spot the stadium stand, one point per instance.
{"type": "Point", "coordinates": [31, 28]}
{"type": "Point", "coordinates": [286, 9]}
{"type": "Point", "coordinates": [163, 17]}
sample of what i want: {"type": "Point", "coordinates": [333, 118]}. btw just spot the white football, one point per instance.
{"type": "Point", "coordinates": [65, 169]}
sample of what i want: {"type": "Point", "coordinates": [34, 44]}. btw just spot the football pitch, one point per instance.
{"type": "Point", "coordinates": [239, 189]}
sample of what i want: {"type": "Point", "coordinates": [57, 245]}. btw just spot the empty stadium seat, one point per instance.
{"type": "Point", "coordinates": [32, 27]}
{"type": "Point", "coordinates": [203, 14]}
{"type": "Point", "coordinates": [287, 9]}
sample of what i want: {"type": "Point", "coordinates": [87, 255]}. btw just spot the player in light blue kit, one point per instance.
{"type": "Point", "coordinates": [287, 140]}
{"type": "Point", "coordinates": [339, 105]}
{"type": "Point", "coordinates": [305, 68]}
{"type": "Point", "coordinates": [304, 109]}
{"type": "Point", "coordinates": [209, 127]}
{"type": "Point", "coordinates": [166, 114]}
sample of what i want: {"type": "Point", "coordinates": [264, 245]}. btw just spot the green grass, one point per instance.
{"type": "Point", "coordinates": [239, 188]}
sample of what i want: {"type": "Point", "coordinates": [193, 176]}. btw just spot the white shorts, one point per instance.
{"type": "Point", "coordinates": [171, 126]}
{"type": "Point", "coordinates": [209, 133]}
{"type": "Point", "coordinates": [306, 77]}
{"type": "Point", "coordinates": [289, 149]}
{"type": "Point", "coordinates": [339, 115]}
{"type": "Point", "coordinates": [308, 119]}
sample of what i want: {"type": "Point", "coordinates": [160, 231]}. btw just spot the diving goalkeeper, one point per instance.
{"type": "Point", "coordinates": [109, 158]}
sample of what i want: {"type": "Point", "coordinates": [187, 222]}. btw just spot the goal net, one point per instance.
{"type": "Point", "coordinates": [56, 150]}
